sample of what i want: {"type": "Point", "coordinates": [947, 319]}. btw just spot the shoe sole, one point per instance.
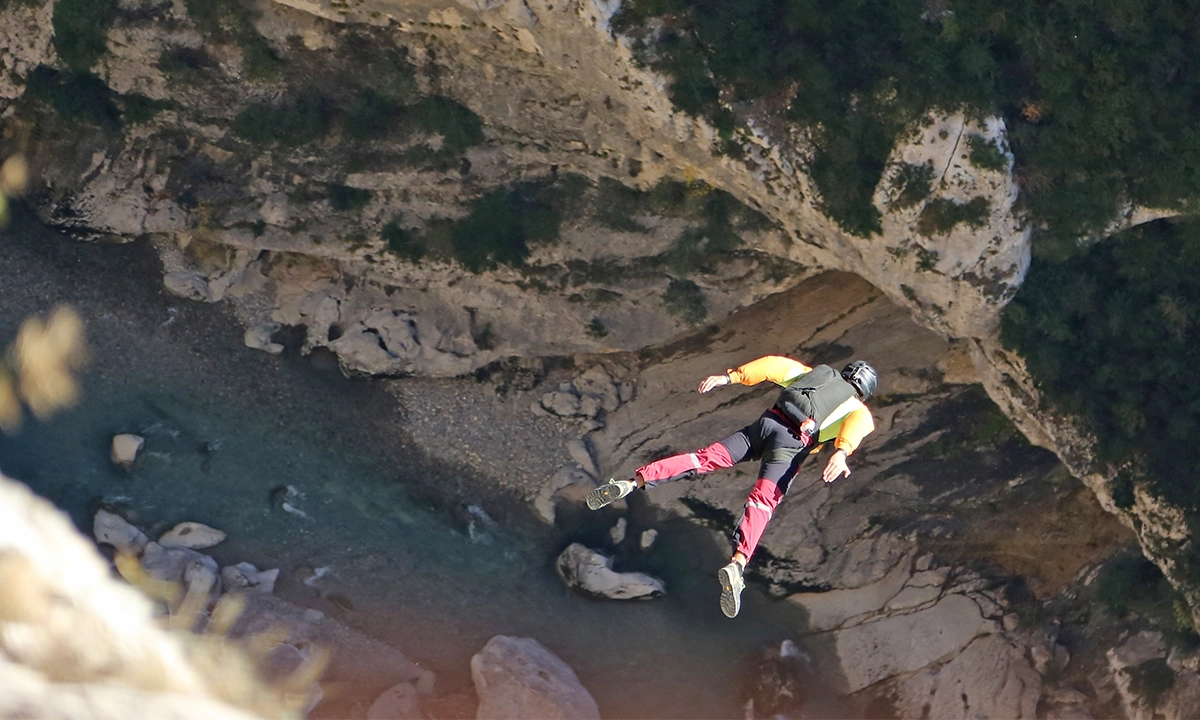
{"type": "Point", "coordinates": [731, 600]}
{"type": "Point", "coordinates": [603, 495]}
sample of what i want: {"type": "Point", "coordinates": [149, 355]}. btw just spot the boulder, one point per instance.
{"type": "Point", "coordinates": [518, 678]}
{"type": "Point", "coordinates": [561, 403]}
{"type": "Point", "coordinates": [112, 529]}
{"type": "Point", "coordinates": [191, 535]}
{"type": "Point", "coordinates": [990, 678]}
{"type": "Point", "coordinates": [591, 573]}
{"type": "Point", "coordinates": [582, 454]}
{"type": "Point", "coordinates": [189, 286]}
{"type": "Point", "coordinates": [258, 337]}
{"type": "Point", "coordinates": [648, 538]}
{"type": "Point", "coordinates": [617, 532]}
{"type": "Point", "coordinates": [398, 702]}
{"type": "Point", "coordinates": [171, 564]}
{"type": "Point", "coordinates": [125, 448]}
{"type": "Point", "coordinates": [247, 577]}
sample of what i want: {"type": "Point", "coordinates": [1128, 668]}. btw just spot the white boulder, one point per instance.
{"type": "Point", "coordinates": [648, 538]}
{"type": "Point", "coordinates": [125, 448]}
{"type": "Point", "coordinates": [591, 573]}
{"type": "Point", "coordinates": [518, 678]}
{"type": "Point", "coordinates": [112, 529]}
{"type": "Point", "coordinates": [191, 535]}
{"type": "Point", "coordinates": [617, 532]}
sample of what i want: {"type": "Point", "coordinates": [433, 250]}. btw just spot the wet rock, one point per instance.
{"type": "Point", "coordinates": [648, 538]}
{"type": "Point", "coordinates": [591, 573]}
{"type": "Point", "coordinates": [617, 532]}
{"type": "Point", "coordinates": [192, 535]}
{"type": "Point", "coordinates": [398, 702]}
{"type": "Point", "coordinates": [518, 678]}
{"type": "Point", "coordinates": [564, 477]}
{"type": "Point", "coordinates": [112, 529]}
{"type": "Point", "coordinates": [835, 608]}
{"type": "Point", "coordinates": [246, 577]}
{"type": "Point", "coordinates": [125, 449]}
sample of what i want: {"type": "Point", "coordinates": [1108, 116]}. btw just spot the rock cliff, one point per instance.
{"type": "Point", "coordinates": [329, 169]}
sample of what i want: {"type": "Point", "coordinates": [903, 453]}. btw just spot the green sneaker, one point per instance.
{"type": "Point", "coordinates": [731, 589]}
{"type": "Point", "coordinates": [610, 493]}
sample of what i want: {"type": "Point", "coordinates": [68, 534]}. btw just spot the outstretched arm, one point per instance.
{"type": "Point", "coordinates": [713, 382]}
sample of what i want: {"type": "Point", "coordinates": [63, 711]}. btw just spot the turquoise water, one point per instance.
{"type": "Point", "coordinates": [228, 427]}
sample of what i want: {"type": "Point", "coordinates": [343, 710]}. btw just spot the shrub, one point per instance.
{"type": "Point", "coordinates": [76, 97]}
{"type": "Point", "coordinates": [911, 185]}
{"type": "Point", "coordinates": [941, 215]}
{"type": "Point", "coordinates": [371, 115]}
{"type": "Point", "coordinates": [985, 154]}
{"type": "Point", "coordinates": [1109, 335]}
{"type": "Point", "coordinates": [184, 64]}
{"type": "Point", "coordinates": [459, 127]}
{"type": "Point", "coordinates": [402, 242]}
{"type": "Point", "coordinates": [597, 329]}
{"type": "Point", "coordinates": [685, 301]}
{"type": "Point", "coordinates": [343, 198]}
{"type": "Point", "coordinates": [81, 31]}
{"type": "Point", "coordinates": [138, 109]}
{"type": "Point", "coordinates": [1097, 101]}
{"type": "Point", "coordinates": [233, 21]}
{"type": "Point", "coordinates": [294, 122]}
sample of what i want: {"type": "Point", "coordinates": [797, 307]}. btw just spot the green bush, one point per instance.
{"type": "Point", "coordinates": [1098, 97]}
{"type": "Point", "coordinates": [371, 115]}
{"type": "Point", "coordinates": [76, 97]}
{"type": "Point", "coordinates": [402, 242]}
{"type": "Point", "coordinates": [985, 154]}
{"type": "Point", "coordinates": [184, 64]}
{"type": "Point", "coordinates": [500, 227]}
{"type": "Point", "coordinates": [293, 122]}
{"type": "Point", "coordinates": [597, 329]}
{"type": "Point", "coordinates": [1151, 679]}
{"type": "Point", "coordinates": [1109, 335]}
{"type": "Point", "coordinates": [941, 215]}
{"type": "Point", "coordinates": [459, 127]}
{"type": "Point", "coordinates": [343, 198]}
{"type": "Point", "coordinates": [685, 301]}
{"type": "Point", "coordinates": [137, 109]}
{"type": "Point", "coordinates": [911, 185]}
{"type": "Point", "coordinates": [233, 21]}
{"type": "Point", "coordinates": [81, 31]}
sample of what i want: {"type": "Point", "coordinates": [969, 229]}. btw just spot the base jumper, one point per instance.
{"type": "Point", "coordinates": [817, 405]}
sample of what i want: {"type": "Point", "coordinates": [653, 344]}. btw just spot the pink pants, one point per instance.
{"type": "Point", "coordinates": [781, 450]}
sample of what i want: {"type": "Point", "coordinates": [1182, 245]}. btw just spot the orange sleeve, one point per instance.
{"type": "Point", "coordinates": [776, 368]}
{"type": "Point", "coordinates": [857, 425]}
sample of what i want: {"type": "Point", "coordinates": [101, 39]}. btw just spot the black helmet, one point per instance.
{"type": "Point", "coordinates": [862, 376]}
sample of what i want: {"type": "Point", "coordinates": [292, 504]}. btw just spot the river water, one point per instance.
{"type": "Point", "coordinates": [228, 428]}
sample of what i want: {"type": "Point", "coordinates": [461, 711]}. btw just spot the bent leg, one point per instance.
{"type": "Point", "coordinates": [780, 464]}
{"type": "Point", "coordinates": [721, 454]}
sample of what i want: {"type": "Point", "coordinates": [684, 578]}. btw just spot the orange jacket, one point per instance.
{"type": "Point", "coordinates": [846, 426]}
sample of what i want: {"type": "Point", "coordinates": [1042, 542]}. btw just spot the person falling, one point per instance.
{"type": "Point", "coordinates": [817, 405]}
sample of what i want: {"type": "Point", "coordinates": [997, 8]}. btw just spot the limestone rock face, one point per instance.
{"type": "Point", "coordinates": [519, 678]}
{"type": "Point", "coordinates": [591, 573]}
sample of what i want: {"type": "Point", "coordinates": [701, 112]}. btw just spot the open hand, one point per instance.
{"type": "Point", "coordinates": [836, 467]}
{"type": "Point", "coordinates": [714, 381]}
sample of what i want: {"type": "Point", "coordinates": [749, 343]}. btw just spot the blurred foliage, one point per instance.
{"type": "Point", "coordinates": [1109, 335]}
{"type": "Point", "coordinates": [401, 241]}
{"type": "Point", "coordinates": [459, 127]}
{"type": "Point", "coordinates": [81, 31]}
{"type": "Point", "coordinates": [38, 370]}
{"type": "Point", "coordinates": [1099, 97]}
